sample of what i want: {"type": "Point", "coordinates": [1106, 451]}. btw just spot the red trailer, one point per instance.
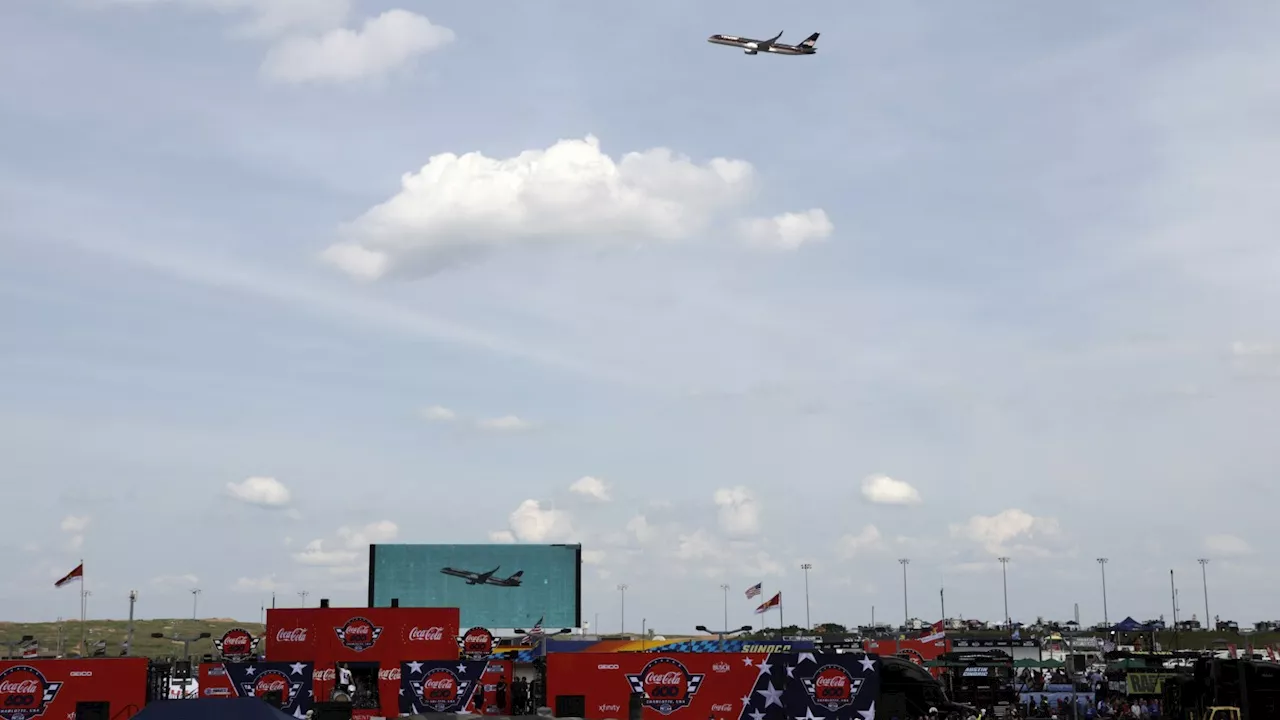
{"type": "Point", "coordinates": [51, 689]}
{"type": "Point", "coordinates": [721, 686]}
{"type": "Point", "coordinates": [399, 658]}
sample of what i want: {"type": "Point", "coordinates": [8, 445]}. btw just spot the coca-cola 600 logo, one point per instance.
{"type": "Point", "coordinates": [272, 681]}
{"type": "Point", "coordinates": [478, 643]}
{"type": "Point", "coordinates": [667, 685]}
{"type": "Point", "coordinates": [359, 634]}
{"type": "Point", "coordinates": [440, 689]}
{"type": "Point", "coordinates": [832, 687]}
{"type": "Point", "coordinates": [25, 693]}
{"type": "Point", "coordinates": [236, 644]}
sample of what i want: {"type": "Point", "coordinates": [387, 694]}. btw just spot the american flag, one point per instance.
{"type": "Point", "coordinates": [755, 590]}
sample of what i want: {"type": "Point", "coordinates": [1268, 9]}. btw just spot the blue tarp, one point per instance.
{"type": "Point", "coordinates": [243, 708]}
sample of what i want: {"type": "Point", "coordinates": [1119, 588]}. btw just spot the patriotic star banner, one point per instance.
{"type": "Point", "coordinates": [294, 682]}
{"type": "Point", "coordinates": [723, 686]}
{"type": "Point", "coordinates": [432, 686]}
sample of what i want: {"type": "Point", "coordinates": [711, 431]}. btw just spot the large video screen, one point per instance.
{"type": "Point", "coordinates": [494, 586]}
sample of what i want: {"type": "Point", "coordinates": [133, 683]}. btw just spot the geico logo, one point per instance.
{"type": "Point", "coordinates": [606, 667]}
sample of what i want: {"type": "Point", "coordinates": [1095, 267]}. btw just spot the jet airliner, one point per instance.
{"type": "Point", "coordinates": [750, 46]}
{"type": "Point", "coordinates": [484, 578]}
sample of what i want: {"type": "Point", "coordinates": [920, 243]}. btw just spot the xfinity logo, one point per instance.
{"type": "Point", "coordinates": [607, 667]}
{"type": "Point", "coordinates": [610, 708]}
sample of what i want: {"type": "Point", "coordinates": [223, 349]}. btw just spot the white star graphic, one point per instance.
{"type": "Point", "coordinates": [756, 715]}
{"type": "Point", "coordinates": [806, 656]}
{"type": "Point", "coordinates": [791, 671]}
{"type": "Point", "coordinates": [808, 715]}
{"type": "Point", "coordinates": [401, 692]}
{"type": "Point", "coordinates": [746, 700]}
{"type": "Point", "coordinates": [868, 664]}
{"type": "Point", "coordinates": [763, 667]}
{"type": "Point", "coordinates": [868, 714]}
{"type": "Point", "coordinates": [746, 661]}
{"type": "Point", "coordinates": [415, 667]}
{"type": "Point", "coordinates": [462, 668]}
{"type": "Point", "coordinates": [297, 668]}
{"type": "Point", "coordinates": [771, 696]}
{"type": "Point", "coordinates": [250, 670]}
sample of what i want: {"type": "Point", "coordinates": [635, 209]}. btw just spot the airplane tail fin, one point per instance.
{"type": "Point", "coordinates": [517, 574]}
{"type": "Point", "coordinates": [811, 41]}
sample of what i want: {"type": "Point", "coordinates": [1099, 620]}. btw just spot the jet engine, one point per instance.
{"type": "Point", "coordinates": [749, 51]}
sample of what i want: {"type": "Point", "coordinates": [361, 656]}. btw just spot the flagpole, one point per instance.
{"type": "Point", "coordinates": [84, 635]}
{"type": "Point", "coordinates": [780, 614]}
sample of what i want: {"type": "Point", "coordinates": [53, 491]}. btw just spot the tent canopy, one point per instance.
{"type": "Point", "coordinates": [1130, 625]}
{"type": "Point", "coordinates": [245, 708]}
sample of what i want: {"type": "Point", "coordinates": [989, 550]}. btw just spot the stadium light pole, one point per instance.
{"type": "Point", "coordinates": [303, 594]}
{"type": "Point", "coordinates": [622, 624]}
{"type": "Point", "coordinates": [1102, 563]}
{"type": "Point", "coordinates": [195, 602]}
{"type": "Point", "coordinates": [806, 567]}
{"type": "Point", "coordinates": [1204, 579]}
{"type": "Point", "coordinates": [906, 616]}
{"type": "Point", "coordinates": [1004, 575]}
{"type": "Point", "coordinates": [725, 588]}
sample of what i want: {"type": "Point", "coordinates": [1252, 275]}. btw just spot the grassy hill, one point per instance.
{"type": "Point", "coordinates": [115, 631]}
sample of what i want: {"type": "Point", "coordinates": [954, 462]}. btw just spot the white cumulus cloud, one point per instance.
{"type": "Point", "coordinates": [506, 423]}
{"type": "Point", "coordinates": [439, 413]}
{"type": "Point", "coordinates": [261, 491]}
{"type": "Point", "coordinates": [1227, 545]}
{"type": "Point", "coordinates": [738, 511]}
{"type": "Point", "coordinates": [787, 231]}
{"type": "Point", "coordinates": [458, 206]}
{"type": "Point", "coordinates": [592, 487]}
{"type": "Point", "coordinates": [502, 536]}
{"type": "Point", "coordinates": [75, 523]}
{"type": "Point", "coordinates": [866, 540]}
{"type": "Point", "coordinates": [1011, 532]}
{"type": "Point", "coordinates": [342, 55]}
{"type": "Point", "coordinates": [884, 490]}
{"type": "Point", "coordinates": [531, 523]}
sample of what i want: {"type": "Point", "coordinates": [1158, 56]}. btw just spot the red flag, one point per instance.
{"type": "Point", "coordinates": [77, 574]}
{"type": "Point", "coordinates": [1231, 651]}
{"type": "Point", "coordinates": [773, 602]}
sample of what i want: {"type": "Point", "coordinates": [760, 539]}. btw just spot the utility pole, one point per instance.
{"type": "Point", "coordinates": [1173, 596]}
{"type": "Point", "coordinates": [806, 567]}
{"type": "Point", "coordinates": [128, 640]}
{"type": "Point", "coordinates": [1102, 563]}
{"type": "Point", "coordinates": [906, 616]}
{"type": "Point", "coordinates": [622, 623]}
{"type": "Point", "coordinates": [725, 588]}
{"type": "Point", "coordinates": [303, 594]}
{"type": "Point", "coordinates": [195, 602]}
{"type": "Point", "coordinates": [942, 598]}
{"type": "Point", "coordinates": [1204, 578]}
{"type": "Point", "coordinates": [1004, 574]}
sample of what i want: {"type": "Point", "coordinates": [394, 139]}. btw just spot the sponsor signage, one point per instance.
{"type": "Point", "coordinates": [49, 689]}
{"type": "Point", "coordinates": [477, 643]}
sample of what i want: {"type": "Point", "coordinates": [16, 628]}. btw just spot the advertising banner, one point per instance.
{"type": "Point", "coordinates": [494, 585]}
{"type": "Point", "coordinates": [454, 687]}
{"type": "Point", "coordinates": [1145, 683]}
{"type": "Point", "coordinates": [697, 686]}
{"type": "Point", "coordinates": [387, 635]}
{"type": "Point", "coordinates": [50, 689]}
{"type": "Point", "coordinates": [249, 679]}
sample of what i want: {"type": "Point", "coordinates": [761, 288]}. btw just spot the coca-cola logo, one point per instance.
{"type": "Point", "coordinates": [477, 642]}
{"type": "Point", "coordinates": [431, 634]}
{"type": "Point", "coordinates": [326, 675]}
{"type": "Point", "coordinates": [358, 634]}
{"type": "Point", "coordinates": [722, 708]}
{"type": "Point", "coordinates": [392, 674]}
{"type": "Point", "coordinates": [236, 644]}
{"type": "Point", "coordinates": [666, 684]}
{"type": "Point", "coordinates": [911, 654]}
{"type": "Point", "coordinates": [25, 693]}
{"type": "Point", "coordinates": [832, 687]}
{"type": "Point", "coordinates": [296, 635]}
{"type": "Point", "coordinates": [720, 667]}
{"type": "Point", "coordinates": [272, 681]}
{"type": "Point", "coordinates": [441, 690]}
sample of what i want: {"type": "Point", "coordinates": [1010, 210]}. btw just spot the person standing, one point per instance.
{"type": "Point", "coordinates": [500, 696]}
{"type": "Point", "coordinates": [478, 698]}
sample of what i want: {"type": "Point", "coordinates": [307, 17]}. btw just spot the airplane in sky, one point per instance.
{"type": "Point", "coordinates": [808, 46]}
{"type": "Point", "coordinates": [484, 578]}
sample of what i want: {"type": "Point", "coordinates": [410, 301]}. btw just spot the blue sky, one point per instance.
{"type": "Point", "coordinates": [976, 280]}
